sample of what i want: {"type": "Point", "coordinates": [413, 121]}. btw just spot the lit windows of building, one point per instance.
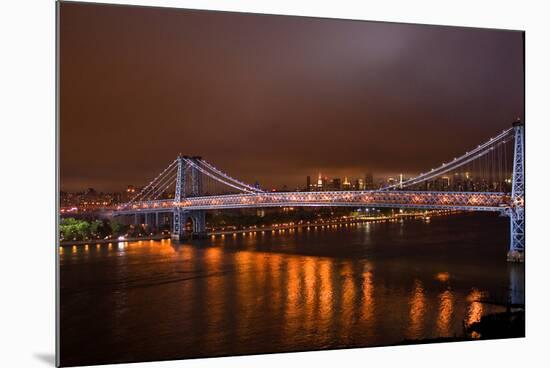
{"type": "Point", "coordinates": [346, 185]}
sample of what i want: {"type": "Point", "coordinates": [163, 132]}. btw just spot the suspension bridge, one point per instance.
{"type": "Point", "coordinates": [193, 186]}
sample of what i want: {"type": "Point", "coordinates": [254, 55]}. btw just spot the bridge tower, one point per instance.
{"type": "Point", "coordinates": [516, 212]}
{"type": "Point", "coordinates": [178, 226]}
{"type": "Point", "coordinates": [196, 179]}
{"type": "Point", "coordinates": [198, 216]}
{"type": "Point", "coordinates": [180, 215]}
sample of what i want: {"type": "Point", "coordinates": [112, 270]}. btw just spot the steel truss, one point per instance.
{"type": "Point", "coordinates": [516, 211]}
{"type": "Point", "coordinates": [470, 201]}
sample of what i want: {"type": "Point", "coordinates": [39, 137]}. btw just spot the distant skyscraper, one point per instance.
{"type": "Point", "coordinates": [336, 184]}
{"type": "Point", "coordinates": [308, 183]}
{"type": "Point", "coordinates": [320, 182]}
{"type": "Point", "coordinates": [346, 185]}
{"type": "Point", "coordinates": [369, 181]}
{"type": "Point", "coordinates": [129, 193]}
{"type": "Point", "coordinates": [326, 183]}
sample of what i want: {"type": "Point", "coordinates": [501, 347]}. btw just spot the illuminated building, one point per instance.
{"type": "Point", "coordinates": [346, 185]}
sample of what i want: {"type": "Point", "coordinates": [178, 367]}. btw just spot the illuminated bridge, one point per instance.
{"type": "Point", "coordinates": [198, 186]}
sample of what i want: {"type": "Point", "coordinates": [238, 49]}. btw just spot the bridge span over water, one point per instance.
{"type": "Point", "coordinates": [192, 179]}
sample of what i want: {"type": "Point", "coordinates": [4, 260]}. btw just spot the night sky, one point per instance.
{"type": "Point", "coordinates": [274, 98]}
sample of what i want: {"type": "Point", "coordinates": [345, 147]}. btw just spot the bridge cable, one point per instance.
{"type": "Point", "coordinates": [226, 176]}
{"type": "Point", "coordinates": [150, 183]}
{"type": "Point", "coordinates": [457, 162]}
{"type": "Point", "coordinates": [160, 182]}
{"type": "Point", "coordinates": [218, 179]}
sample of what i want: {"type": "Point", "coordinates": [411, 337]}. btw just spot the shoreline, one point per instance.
{"type": "Point", "coordinates": [263, 229]}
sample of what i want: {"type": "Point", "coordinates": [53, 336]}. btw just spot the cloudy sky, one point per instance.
{"type": "Point", "coordinates": [274, 98]}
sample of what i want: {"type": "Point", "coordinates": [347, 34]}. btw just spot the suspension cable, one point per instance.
{"type": "Point", "coordinates": [226, 176]}
{"type": "Point", "coordinates": [216, 178]}
{"type": "Point", "coordinates": [457, 162]}
{"type": "Point", "coordinates": [150, 183]}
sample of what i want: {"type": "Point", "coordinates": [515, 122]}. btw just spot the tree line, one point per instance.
{"type": "Point", "coordinates": [80, 229]}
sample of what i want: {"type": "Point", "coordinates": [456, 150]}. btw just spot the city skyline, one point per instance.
{"type": "Point", "coordinates": [314, 95]}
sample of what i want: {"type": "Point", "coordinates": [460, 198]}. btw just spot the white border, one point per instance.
{"type": "Point", "coordinates": [27, 185]}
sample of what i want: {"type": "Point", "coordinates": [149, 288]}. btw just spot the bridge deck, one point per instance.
{"type": "Point", "coordinates": [470, 201]}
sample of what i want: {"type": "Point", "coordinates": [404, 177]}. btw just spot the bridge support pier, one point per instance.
{"type": "Point", "coordinates": [199, 223]}
{"type": "Point", "coordinates": [517, 235]}
{"type": "Point", "coordinates": [180, 217]}
{"type": "Point", "coordinates": [517, 284]}
{"type": "Point", "coordinates": [178, 225]}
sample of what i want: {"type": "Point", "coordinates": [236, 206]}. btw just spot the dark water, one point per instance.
{"type": "Point", "coordinates": [363, 285]}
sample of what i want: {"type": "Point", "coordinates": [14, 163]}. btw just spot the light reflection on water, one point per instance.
{"type": "Point", "coordinates": [446, 304]}
{"type": "Point", "coordinates": [417, 311]}
{"type": "Point", "coordinates": [362, 285]}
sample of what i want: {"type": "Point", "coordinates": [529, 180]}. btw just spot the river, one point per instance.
{"type": "Point", "coordinates": [367, 284]}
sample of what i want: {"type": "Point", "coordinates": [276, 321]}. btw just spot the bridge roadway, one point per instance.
{"type": "Point", "coordinates": [464, 201]}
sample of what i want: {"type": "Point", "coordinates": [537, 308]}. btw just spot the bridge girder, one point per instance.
{"type": "Point", "coordinates": [467, 201]}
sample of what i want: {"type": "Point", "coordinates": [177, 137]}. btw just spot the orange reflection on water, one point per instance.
{"type": "Point", "coordinates": [446, 300]}
{"type": "Point", "coordinates": [475, 310]}
{"type": "Point", "coordinates": [260, 268]}
{"type": "Point", "coordinates": [245, 293]}
{"type": "Point", "coordinates": [187, 252]}
{"type": "Point", "coordinates": [310, 291]}
{"type": "Point", "coordinates": [215, 296]}
{"type": "Point", "coordinates": [293, 286]}
{"type": "Point", "coordinates": [213, 257]}
{"type": "Point", "coordinates": [310, 280]}
{"type": "Point", "coordinates": [293, 306]}
{"type": "Point", "coordinates": [367, 314]}
{"type": "Point", "coordinates": [347, 302]}
{"type": "Point", "coordinates": [417, 311]}
{"type": "Point", "coordinates": [325, 294]}
{"type": "Point", "coordinates": [443, 276]}
{"type": "Point", "coordinates": [276, 283]}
